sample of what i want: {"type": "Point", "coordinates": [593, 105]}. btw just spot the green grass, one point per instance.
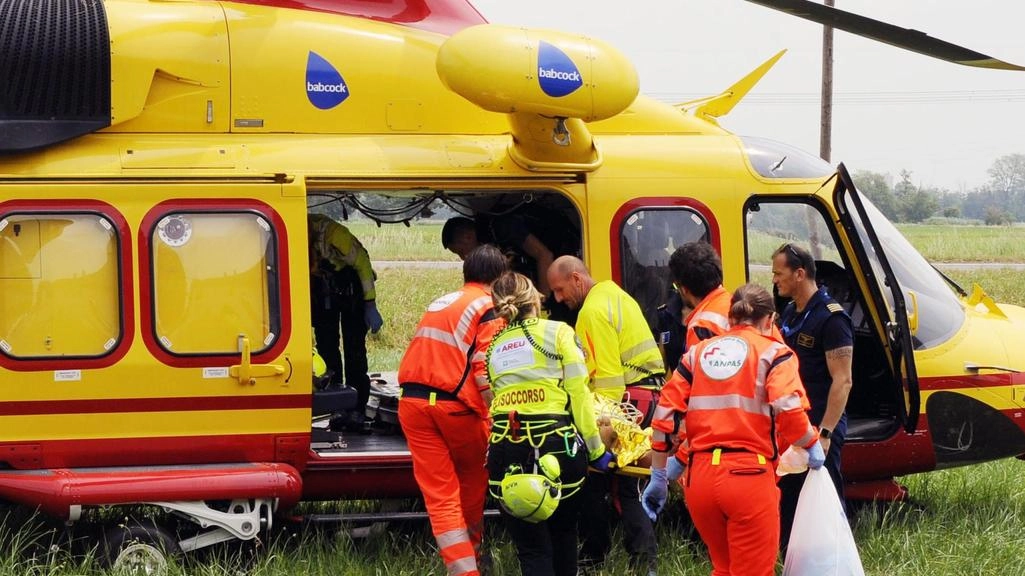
{"type": "Point", "coordinates": [1003, 285]}
{"type": "Point", "coordinates": [962, 521]}
{"type": "Point", "coordinates": [402, 297]}
{"type": "Point", "coordinates": [967, 520]}
{"type": "Point", "coordinates": [418, 242]}
{"type": "Point", "coordinates": [938, 243]}
{"type": "Point", "coordinates": [948, 243]}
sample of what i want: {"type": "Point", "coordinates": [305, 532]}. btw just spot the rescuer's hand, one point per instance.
{"type": "Point", "coordinates": [816, 457]}
{"type": "Point", "coordinates": [372, 317]}
{"type": "Point", "coordinates": [674, 468]}
{"type": "Point", "coordinates": [604, 463]}
{"type": "Point", "coordinates": [654, 497]}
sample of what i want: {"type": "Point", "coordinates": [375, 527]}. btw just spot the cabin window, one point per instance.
{"type": "Point", "coordinates": [648, 237]}
{"type": "Point", "coordinates": [772, 224]}
{"type": "Point", "coordinates": [60, 285]}
{"type": "Point", "coordinates": [214, 279]}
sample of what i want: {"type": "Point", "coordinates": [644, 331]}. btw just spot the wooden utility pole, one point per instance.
{"type": "Point", "coordinates": [826, 125]}
{"type": "Point", "coordinates": [826, 131]}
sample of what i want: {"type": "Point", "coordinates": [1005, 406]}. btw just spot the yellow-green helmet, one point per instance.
{"type": "Point", "coordinates": [530, 497]}
{"type": "Point", "coordinates": [319, 366]}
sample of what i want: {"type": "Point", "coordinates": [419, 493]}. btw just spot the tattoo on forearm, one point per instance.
{"type": "Point", "coordinates": [837, 353]}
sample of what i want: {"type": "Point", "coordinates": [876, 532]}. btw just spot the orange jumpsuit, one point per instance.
{"type": "Point", "coordinates": [709, 318]}
{"type": "Point", "coordinates": [723, 404]}
{"type": "Point", "coordinates": [444, 417]}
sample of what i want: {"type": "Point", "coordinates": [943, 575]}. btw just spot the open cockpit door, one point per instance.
{"type": "Point", "coordinates": [856, 216]}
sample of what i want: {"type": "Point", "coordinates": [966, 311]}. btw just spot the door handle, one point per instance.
{"type": "Point", "coordinates": [246, 372]}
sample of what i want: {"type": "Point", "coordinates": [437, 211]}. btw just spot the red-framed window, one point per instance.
{"type": "Point", "coordinates": [211, 271]}
{"type": "Point", "coordinates": [66, 295]}
{"type": "Point", "coordinates": [644, 233]}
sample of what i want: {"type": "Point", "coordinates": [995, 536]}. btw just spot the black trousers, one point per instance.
{"type": "Point", "coordinates": [546, 548]}
{"type": "Point", "coordinates": [337, 301]}
{"type": "Point", "coordinates": [602, 494]}
{"type": "Point", "coordinates": [790, 489]}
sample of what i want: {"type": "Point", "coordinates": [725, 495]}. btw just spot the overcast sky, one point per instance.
{"type": "Point", "coordinates": [893, 109]}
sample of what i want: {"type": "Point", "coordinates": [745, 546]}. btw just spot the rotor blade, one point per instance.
{"type": "Point", "coordinates": [888, 33]}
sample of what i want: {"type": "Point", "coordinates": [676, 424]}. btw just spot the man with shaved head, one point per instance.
{"type": "Point", "coordinates": [624, 363]}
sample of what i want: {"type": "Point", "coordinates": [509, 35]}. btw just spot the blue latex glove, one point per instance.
{"type": "Point", "coordinates": [372, 317]}
{"type": "Point", "coordinates": [604, 463]}
{"type": "Point", "coordinates": [654, 497]}
{"type": "Point", "coordinates": [816, 457]}
{"type": "Point", "coordinates": [674, 468]}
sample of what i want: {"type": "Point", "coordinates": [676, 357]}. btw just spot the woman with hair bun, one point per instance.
{"type": "Point", "coordinates": [544, 432]}
{"type": "Point", "coordinates": [732, 388]}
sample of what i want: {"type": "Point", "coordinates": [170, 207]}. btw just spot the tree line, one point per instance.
{"type": "Point", "coordinates": [1000, 201]}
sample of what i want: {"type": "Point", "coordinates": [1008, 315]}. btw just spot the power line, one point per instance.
{"type": "Point", "coordinates": [864, 97]}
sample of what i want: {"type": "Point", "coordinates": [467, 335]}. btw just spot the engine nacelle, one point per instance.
{"type": "Point", "coordinates": [510, 70]}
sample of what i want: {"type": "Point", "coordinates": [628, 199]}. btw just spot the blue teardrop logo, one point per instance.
{"type": "Point", "coordinates": [556, 73]}
{"type": "Point", "coordinates": [324, 85]}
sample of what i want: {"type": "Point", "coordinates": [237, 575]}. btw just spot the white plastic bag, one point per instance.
{"type": "Point", "coordinates": [821, 543]}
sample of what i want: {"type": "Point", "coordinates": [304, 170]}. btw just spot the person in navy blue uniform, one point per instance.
{"type": "Point", "coordinates": [670, 331]}
{"type": "Point", "coordinates": [818, 329]}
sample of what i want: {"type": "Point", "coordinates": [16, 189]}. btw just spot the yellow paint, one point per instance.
{"type": "Point", "coordinates": [497, 68]}
{"type": "Point", "coordinates": [209, 102]}
{"type": "Point", "coordinates": [150, 424]}
{"type": "Point", "coordinates": [221, 267]}
{"type": "Point", "coordinates": [58, 277]}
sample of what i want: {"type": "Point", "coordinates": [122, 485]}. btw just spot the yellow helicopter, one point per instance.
{"type": "Point", "coordinates": [157, 161]}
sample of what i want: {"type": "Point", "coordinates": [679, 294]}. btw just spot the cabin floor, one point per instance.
{"type": "Point", "coordinates": [382, 435]}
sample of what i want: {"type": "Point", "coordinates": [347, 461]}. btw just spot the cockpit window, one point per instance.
{"type": "Point", "coordinates": [940, 314]}
{"type": "Point", "coordinates": [772, 159]}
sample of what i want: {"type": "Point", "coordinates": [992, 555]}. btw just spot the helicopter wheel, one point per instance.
{"type": "Point", "coordinates": [139, 549]}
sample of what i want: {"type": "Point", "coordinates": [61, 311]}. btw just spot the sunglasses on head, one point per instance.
{"type": "Point", "coordinates": [789, 248]}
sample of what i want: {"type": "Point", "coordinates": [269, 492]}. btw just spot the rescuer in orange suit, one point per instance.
{"type": "Point", "coordinates": [696, 270]}
{"type": "Point", "coordinates": [443, 408]}
{"type": "Point", "coordinates": [697, 276]}
{"type": "Point", "coordinates": [723, 407]}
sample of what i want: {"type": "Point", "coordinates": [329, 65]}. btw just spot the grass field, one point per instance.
{"type": "Point", "coordinates": [967, 243]}
{"type": "Point", "coordinates": [965, 521]}
{"type": "Point", "coordinates": [937, 243]}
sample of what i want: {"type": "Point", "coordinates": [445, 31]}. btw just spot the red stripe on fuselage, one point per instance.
{"type": "Point", "coordinates": [180, 404]}
{"type": "Point", "coordinates": [441, 16]}
{"type": "Point", "coordinates": [965, 381]}
{"type": "Point", "coordinates": [159, 451]}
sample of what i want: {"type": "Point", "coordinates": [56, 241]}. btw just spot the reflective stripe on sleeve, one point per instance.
{"type": "Point", "coordinates": [661, 441]}
{"type": "Point", "coordinates": [764, 365]}
{"type": "Point", "coordinates": [609, 382]}
{"type": "Point", "coordinates": [574, 370]}
{"type": "Point", "coordinates": [634, 351]}
{"type": "Point", "coordinates": [712, 317]}
{"type": "Point", "coordinates": [663, 413]}
{"type": "Point", "coordinates": [466, 318]}
{"type": "Point", "coordinates": [442, 336]}
{"type": "Point", "coordinates": [786, 403]}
